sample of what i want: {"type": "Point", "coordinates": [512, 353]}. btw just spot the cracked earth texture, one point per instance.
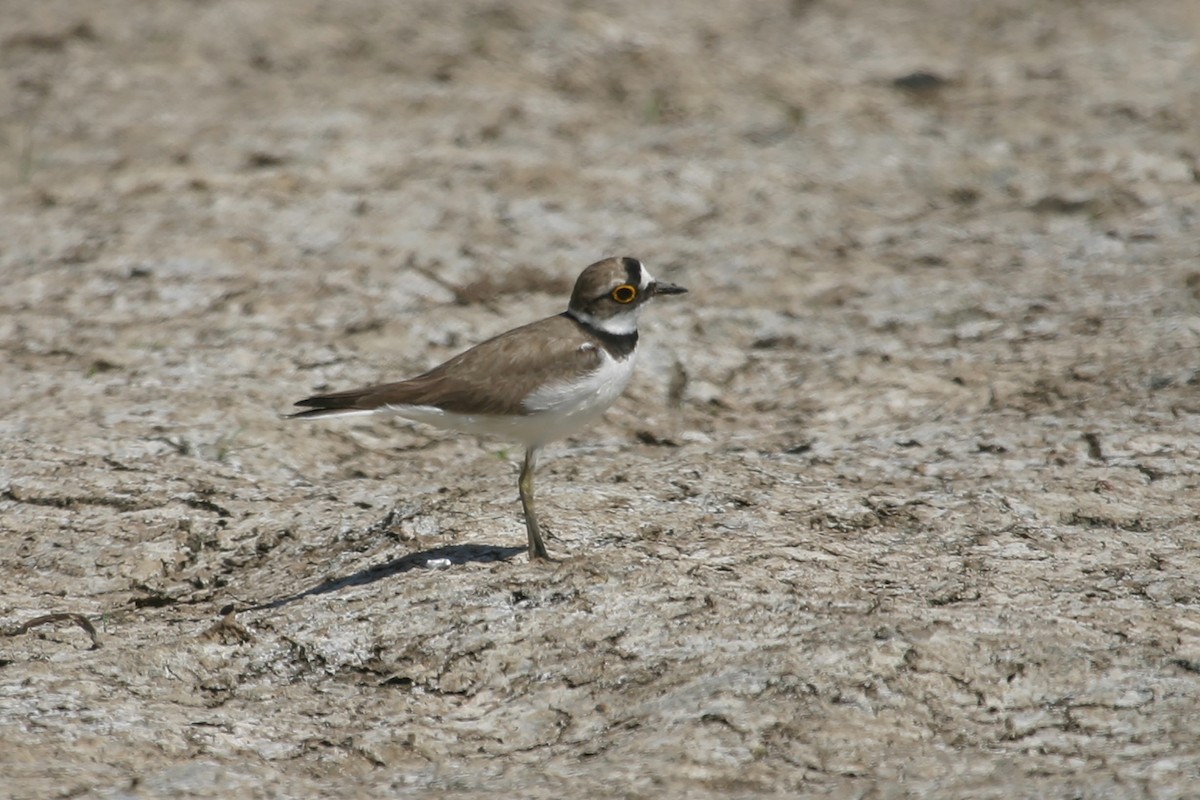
{"type": "Point", "coordinates": [901, 503]}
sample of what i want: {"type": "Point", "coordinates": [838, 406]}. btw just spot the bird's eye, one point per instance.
{"type": "Point", "coordinates": [624, 293]}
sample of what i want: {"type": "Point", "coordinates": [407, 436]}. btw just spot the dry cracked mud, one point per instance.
{"type": "Point", "coordinates": [903, 501]}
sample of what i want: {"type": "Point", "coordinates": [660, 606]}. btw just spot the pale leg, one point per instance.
{"type": "Point", "coordinates": [537, 549]}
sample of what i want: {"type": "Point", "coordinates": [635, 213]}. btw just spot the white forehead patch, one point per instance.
{"type": "Point", "coordinates": [647, 278]}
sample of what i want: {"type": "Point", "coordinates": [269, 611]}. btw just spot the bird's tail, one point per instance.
{"type": "Point", "coordinates": [338, 404]}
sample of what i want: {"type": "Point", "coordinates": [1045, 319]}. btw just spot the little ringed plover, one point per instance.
{"type": "Point", "coordinates": [532, 385]}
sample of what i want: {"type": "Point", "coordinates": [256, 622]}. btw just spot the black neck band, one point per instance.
{"type": "Point", "coordinates": [619, 345]}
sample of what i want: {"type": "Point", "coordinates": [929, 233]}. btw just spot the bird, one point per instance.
{"type": "Point", "coordinates": [531, 385]}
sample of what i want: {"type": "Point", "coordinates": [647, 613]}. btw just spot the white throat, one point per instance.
{"type": "Point", "coordinates": [621, 324]}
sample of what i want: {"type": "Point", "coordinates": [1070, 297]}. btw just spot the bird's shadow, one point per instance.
{"type": "Point", "coordinates": [454, 554]}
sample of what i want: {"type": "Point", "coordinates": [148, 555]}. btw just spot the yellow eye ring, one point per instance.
{"type": "Point", "coordinates": [624, 293]}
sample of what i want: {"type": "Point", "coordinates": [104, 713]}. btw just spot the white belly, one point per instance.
{"type": "Point", "coordinates": [554, 411]}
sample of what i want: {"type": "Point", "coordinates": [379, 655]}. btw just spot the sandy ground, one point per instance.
{"type": "Point", "coordinates": [903, 501]}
